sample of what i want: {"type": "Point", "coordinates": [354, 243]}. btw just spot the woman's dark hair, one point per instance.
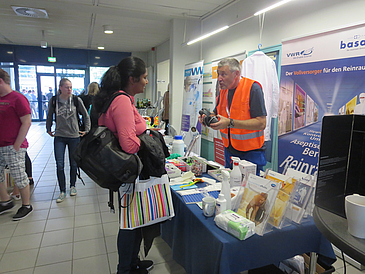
{"type": "Point", "coordinates": [117, 78]}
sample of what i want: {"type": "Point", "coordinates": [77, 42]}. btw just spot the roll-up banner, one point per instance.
{"type": "Point", "coordinates": [321, 74]}
{"type": "Point", "coordinates": [192, 103]}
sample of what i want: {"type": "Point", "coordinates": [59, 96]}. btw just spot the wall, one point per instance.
{"type": "Point", "coordinates": [296, 18]}
{"type": "Point", "coordinates": [179, 56]}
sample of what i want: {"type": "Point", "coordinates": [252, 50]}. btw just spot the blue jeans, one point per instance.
{"type": "Point", "coordinates": [128, 244]}
{"type": "Point", "coordinates": [257, 157]}
{"type": "Point", "coordinates": [60, 144]}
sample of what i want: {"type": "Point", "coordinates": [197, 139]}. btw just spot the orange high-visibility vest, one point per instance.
{"type": "Point", "coordinates": [241, 139]}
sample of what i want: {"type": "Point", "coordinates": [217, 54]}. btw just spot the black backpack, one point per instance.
{"type": "Point", "coordinates": [100, 156]}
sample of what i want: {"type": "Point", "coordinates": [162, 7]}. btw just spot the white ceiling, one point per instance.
{"type": "Point", "coordinates": [138, 24]}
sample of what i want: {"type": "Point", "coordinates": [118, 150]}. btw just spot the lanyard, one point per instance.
{"type": "Point", "coordinates": [228, 110]}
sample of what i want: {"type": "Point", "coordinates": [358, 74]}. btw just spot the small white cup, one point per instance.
{"type": "Point", "coordinates": [355, 214]}
{"type": "Point", "coordinates": [208, 205]}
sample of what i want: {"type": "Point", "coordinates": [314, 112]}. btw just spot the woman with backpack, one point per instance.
{"type": "Point", "coordinates": [123, 119]}
{"type": "Point", "coordinates": [66, 108]}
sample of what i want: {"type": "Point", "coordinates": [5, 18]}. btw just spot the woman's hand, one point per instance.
{"type": "Point", "coordinates": [50, 133]}
{"type": "Point", "coordinates": [82, 133]}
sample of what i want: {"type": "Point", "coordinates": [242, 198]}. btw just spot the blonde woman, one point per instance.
{"type": "Point", "coordinates": [66, 108]}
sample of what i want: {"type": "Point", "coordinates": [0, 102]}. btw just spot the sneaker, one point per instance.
{"type": "Point", "coordinates": [6, 206]}
{"type": "Point", "coordinates": [73, 191]}
{"type": "Point", "coordinates": [145, 264]}
{"type": "Point", "coordinates": [61, 197]}
{"type": "Point", "coordinates": [15, 197]}
{"type": "Point", "coordinates": [23, 212]}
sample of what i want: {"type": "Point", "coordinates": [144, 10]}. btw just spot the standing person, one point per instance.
{"type": "Point", "coordinates": [123, 119]}
{"type": "Point", "coordinates": [166, 110]}
{"type": "Point", "coordinates": [242, 115]}
{"type": "Point", "coordinates": [66, 108]}
{"type": "Point", "coordinates": [15, 117]}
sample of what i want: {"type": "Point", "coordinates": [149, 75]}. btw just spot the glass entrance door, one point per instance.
{"type": "Point", "coordinates": [46, 89]}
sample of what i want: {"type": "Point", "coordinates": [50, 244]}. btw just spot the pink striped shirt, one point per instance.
{"type": "Point", "coordinates": [123, 119]}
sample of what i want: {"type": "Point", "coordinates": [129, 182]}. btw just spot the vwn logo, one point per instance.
{"type": "Point", "coordinates": [300, 54]}
{"type": "Point", "coordinates": [194, 71]}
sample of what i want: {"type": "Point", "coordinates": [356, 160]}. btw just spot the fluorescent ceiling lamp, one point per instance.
{"type": "Point", "coordinates": [107, 29]}
{"type": "Point", "coordinates": [207, 35]}
{"type": "Point", "coordinates": [278, 4]}
{"type": "Point", "coordinates": [100, 47]}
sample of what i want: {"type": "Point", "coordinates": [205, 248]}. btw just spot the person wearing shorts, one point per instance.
{"type": "Point", "coordinates": [15, 117]}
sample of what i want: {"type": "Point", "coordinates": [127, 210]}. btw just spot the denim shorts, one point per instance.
{"type": "Point", "coordinates": [15, 160]}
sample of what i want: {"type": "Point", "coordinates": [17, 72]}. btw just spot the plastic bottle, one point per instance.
{"type": "Point", "coordinates": [226, 189]}
{"type": "Point", "coordinates": [178, 145]}
{"type": "Point", "coordinates": [220, 204]}
{"type": "Point", "coordinates": [236, 176]}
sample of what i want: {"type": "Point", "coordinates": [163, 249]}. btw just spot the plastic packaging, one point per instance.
{"type": "Point", "coordinates": [220, 204]}
{"type": "Point", "coordinates": [178, 145]}
{"type": "Point", "coordinates": [236, 176]}
{"type": "Point", "coordinates": [235, 224]}
{"type": "Point", "coordinates": [226, 188]}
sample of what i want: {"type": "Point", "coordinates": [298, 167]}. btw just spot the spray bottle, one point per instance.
{"type": "Point", "coordinates": [226, 189]}
{"type": "Point", "coordinates": [236, 176]}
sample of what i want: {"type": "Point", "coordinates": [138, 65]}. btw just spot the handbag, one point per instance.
{"type": "Point", "coordinates": [100, 156]}
{"type": "Point", "coordinates": [149, 203]}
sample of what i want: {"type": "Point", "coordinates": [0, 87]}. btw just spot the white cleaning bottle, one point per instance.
{"type": "Point", "coordinates": [226, 188]}
{"type": "Point", "coordinates": [236, 176]}
{"type": "Point", "coordinates": [220, 204]}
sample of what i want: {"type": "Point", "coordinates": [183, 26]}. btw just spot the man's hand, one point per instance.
{"type": "Point", "coordinates": [51, 133]}
{"type": "Point", "coordinates": [16, 147]}
{"type": "Point", "coordinates": [82, 133]}
{"type": "Point", "coordinates": [223, 123]}
{"type": "Point", "coordinates": [201, 118]}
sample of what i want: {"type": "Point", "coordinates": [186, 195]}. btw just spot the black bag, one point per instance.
{"type": "Point", "coordinates": [153, 152]}
{"type": "Point", "coordinates": [100, 156]}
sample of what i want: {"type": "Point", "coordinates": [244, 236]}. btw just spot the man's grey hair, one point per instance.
{"type": "Point", "coordinates": [232, 64]}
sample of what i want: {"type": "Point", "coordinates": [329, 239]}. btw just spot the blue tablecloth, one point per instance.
{"type": "Point", "coordinates": [201, 247]}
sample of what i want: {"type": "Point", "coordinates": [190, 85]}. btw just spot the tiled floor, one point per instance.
{"type": "Point", "coordinates": [76, 236]}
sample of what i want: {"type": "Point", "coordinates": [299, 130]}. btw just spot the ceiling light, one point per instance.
{"type": "Point", "coordinates": [101, 47]}
{"type": "Point", "coordinates": [272, 7]}
{"type": "Point", "coordinates": [207, 35]}
{"type": "Point", "coordinates": [43, 44]}
{"type": "Point", "coordinates": [107, 29]}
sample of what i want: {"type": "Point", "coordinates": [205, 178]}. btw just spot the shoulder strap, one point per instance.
{"type": "Point", "coordinates": [76, 102]}
{"type": "Point", "coordinates": [54, 101]}
{"type": "Point", "coordinates": [107, 103]}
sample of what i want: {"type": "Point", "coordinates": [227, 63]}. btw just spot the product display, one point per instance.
{"type": "Point", "coordinates": [299, 200]}
{"type": "Point", "coordinates": [258, 200]}
{"type": "Point", "coordinates": [282, 200]}
{"type": "Point", "coordinates": [235, 224]}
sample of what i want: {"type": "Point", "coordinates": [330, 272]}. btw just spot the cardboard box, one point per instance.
{"type": "Point", "coordinates": [320, 269]}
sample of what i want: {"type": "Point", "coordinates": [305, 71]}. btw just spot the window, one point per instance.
{"type": "Point", "coordinates": [96, 73]}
